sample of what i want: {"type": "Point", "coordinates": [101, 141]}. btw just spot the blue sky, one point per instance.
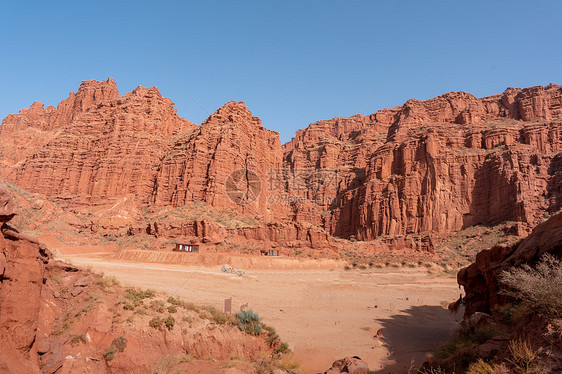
{"type": "Point", "coordinates": [293, 62]}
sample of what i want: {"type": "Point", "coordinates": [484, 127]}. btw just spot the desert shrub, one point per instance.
{"type": "Point", "coordinates": [65, 324]}
{"type": "Point", "coordinates": [462, 349]}
{"type": "Point", "coordinates": [174, 301]}
{"type": "Point", "coordinates": [129, 306]}
{"type": "Point", "coordinates": [133, 298]}
{"type": "Point", "coordinates": [523, 357]}
{"type": "Point", "coordinates": [109, 353]}
{"type": "Point", "coordinates": [436, 370]}
{"type": "Point", "coordinates": [172, 309]}
{"type": "Point", "coordinates": [132, 293]}
{"type": "Point", "coordinates": [157, 306]}
{"type": "Point", "coordinates": [170, 322]}
{"type": "Point", "coordinates": [108, 282]}
{"type": "Point", "coordinates": [77, 339]}
{"type": "Point", "coordinates": [155, 322]}
{"type": "Point", "coordinates": [283, 348]}
{"type": "Point", "coordinates": [182, 304]}
{"type": "Point", "coordinates": [93, 300]}
{"type": "Point", "coordinates": [249, 322]}
{"type": "Point", "coordinates": [289, 366]}
{"type": "Point", "coordinates": [270, 365]}
{"type": "Point", "coordinates": [272, 336]}
{"type": "Point", "coordinates": [117, 345]}
{"type": "Point", "coordinates": [480, 367]}
{"type": "Point", "coordinates": [120, 343]}
{"type": "Point", "coordinates": [557, 328]}
{"type": "Point", "coordinates": [539, 287]}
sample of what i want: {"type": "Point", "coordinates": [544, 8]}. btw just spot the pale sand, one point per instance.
{"type": "Point", "coordinates": [323, 315]}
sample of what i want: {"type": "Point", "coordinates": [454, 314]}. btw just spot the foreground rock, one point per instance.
{"type": "Point", "coordinates": [352, 365]}
{"type": "Point", "coordinates": [511, 332]}
{"type": "Point", "coordinates": [480, 279]}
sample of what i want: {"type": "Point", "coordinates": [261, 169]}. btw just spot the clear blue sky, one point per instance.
{"type": "Point", "coordinates": [293, 62]}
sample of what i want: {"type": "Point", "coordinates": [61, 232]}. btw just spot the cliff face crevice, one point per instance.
{"type": "Point", "coordinates": [433, 166]}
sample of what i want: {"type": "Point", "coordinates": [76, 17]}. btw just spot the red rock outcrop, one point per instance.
{"type": "Point", "coordinates": [480, 279]}
{"type": "Point", "coordinates": [110, 151]}
{"type": "Point", "coordinates": [441, 165]}
{"type": "Point", "coordinates": [21, 276]}
{"type": "Point", "coordinates": [352, 365]}
{"type": "Point", "coordinates": [197, 166]}
{"type": "Point", "coordinates": [23, 133]}
{"type": "Point", "coordinates": [433, 166]}
{"type": "Point", "coordinates": [89, 95]}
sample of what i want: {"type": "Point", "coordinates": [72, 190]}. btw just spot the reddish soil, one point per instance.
{"type": "Point", "coordinates": [322, 314]}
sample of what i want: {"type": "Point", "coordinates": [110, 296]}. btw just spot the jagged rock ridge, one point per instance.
{"type": "Point", "coordinates": [432, 166]}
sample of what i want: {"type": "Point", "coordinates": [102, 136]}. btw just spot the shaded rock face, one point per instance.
{"type": "Point", "coordinates": [433, 166]}
{"type": "Point", "coordinates": [480, 279]}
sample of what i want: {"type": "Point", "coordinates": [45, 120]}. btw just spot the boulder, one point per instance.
{"type": "Point", "coordinates": [352, 365]}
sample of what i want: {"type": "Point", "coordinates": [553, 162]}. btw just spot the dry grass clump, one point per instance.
{"type": "Point", "coordinates": [108, 283]}
{"type": "Point", "coordinates": [524, 358]}
{"type": "Point", "coordinates": [540, 288]}
{"type": "Point", "coordinates": [270, 365]}
{"type": "Point", "coordinates": [171, 364]}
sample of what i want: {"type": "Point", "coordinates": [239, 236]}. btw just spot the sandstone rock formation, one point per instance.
{"type": "Point", "coordinates": [426, 167]}
{"type": "Point", "coordinates": [197, 165]}
{"type": "Point", "coordinates": [480, 279]}
{"type": "Point", "coordinates": [21, 275]}
{"type": "Point", "coordinates": [439, 165]}
{"type": "Point", "coordinates": [112, 150]}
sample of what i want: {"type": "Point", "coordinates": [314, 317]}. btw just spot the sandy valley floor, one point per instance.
{"type": "Point", "coordinates": [323, 314]}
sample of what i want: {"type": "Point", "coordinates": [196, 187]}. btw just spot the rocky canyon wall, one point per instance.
{"type": "Point", "coordinates": [433, 166]}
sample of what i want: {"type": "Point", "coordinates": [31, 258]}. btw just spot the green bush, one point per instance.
{"type": "Point", "coordinates": [133, 298]}
{"type": "Point", "coordinates": [155, 322]}
{"type": "Point", "coordinates": [272, 335]}
{"type": "Point", "coordinates": [170, 323]}
{"type": "Point", "coordinates": [249, 322]}
{"type": "Point", "coordinates": [117, 345]}
{"type": "Point", "coordinates": [284, 348]}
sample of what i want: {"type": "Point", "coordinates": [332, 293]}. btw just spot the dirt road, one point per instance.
{"type": "Point", "coordinates": [323, 315]}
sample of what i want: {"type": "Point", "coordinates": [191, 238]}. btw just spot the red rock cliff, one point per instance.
{"type": "Point", "coordinates": [111, 150]}
{"type": "Point", "coordinates": [437, 165]}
